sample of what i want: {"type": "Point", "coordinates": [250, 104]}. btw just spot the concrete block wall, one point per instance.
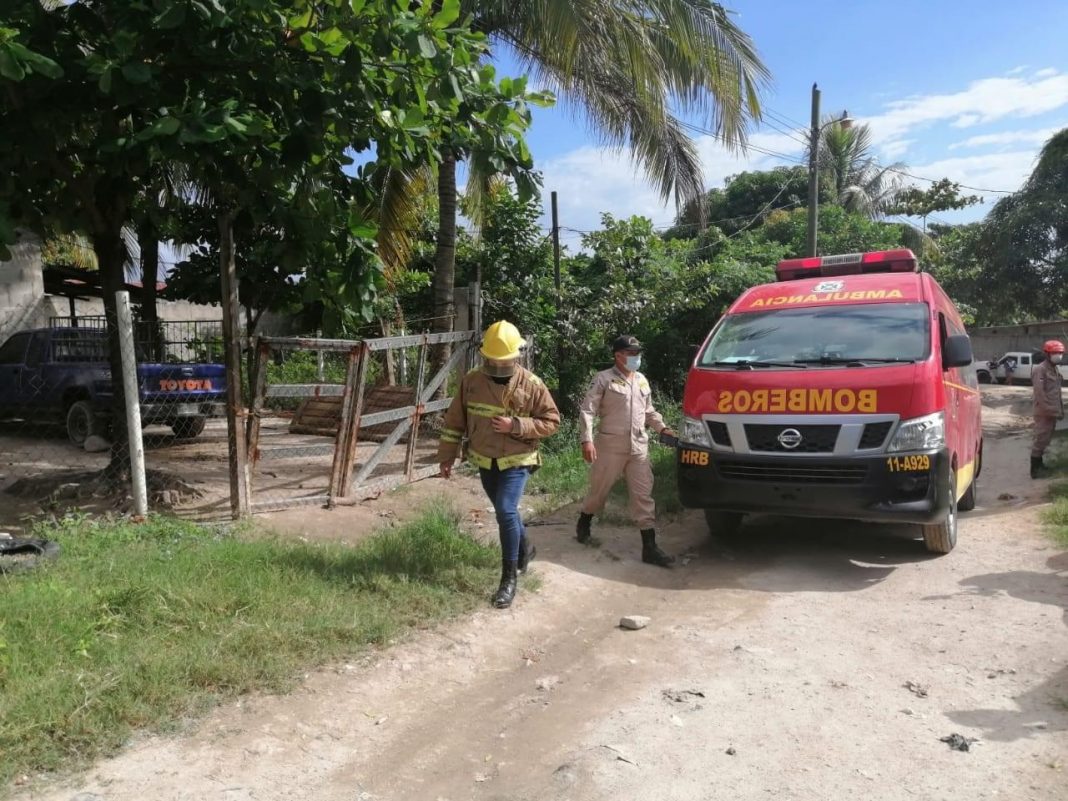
{"type": "Point", "coordinates": [22, 288]}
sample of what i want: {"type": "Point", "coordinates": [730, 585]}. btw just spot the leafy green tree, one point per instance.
{"type": "Point", "coordinates": [631, 69]}
{"type": "Point", "coordinates": [746, 200]}
{"type": "Point", "coordinates": [841, 231]}
{"type": "Point", "coordinates": [256, 98]}
{"type": "Point", "coordinates": [942, 195]}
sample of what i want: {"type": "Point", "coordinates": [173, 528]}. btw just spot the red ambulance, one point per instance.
{"type": "Point", "coordinates": [846, 389]}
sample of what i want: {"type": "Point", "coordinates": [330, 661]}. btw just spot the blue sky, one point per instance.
{"type": "Point", "coordinates": [968, 90]}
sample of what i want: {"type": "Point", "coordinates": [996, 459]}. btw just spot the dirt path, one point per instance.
{"type": "Point", "coordinates": [776, 669]}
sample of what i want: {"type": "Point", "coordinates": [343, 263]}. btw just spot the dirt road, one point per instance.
{"type": "Point", "coordinates": [817, 660]}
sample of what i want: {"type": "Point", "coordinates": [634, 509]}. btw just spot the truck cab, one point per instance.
{"type": "Point", "coordinates": [61, 374]}
{"type": "Point", "coordinates": [1016, 366]}
{"type": "Point", "coordinates": [845, 389]}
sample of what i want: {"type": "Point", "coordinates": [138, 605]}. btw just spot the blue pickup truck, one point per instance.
{"type": "Point", "coordinates": [62, 375]}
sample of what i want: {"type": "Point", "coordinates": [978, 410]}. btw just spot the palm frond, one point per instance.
{"type": "Point", "coordinates": [401, 196]}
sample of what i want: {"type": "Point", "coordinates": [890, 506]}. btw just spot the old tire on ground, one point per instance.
{"type": "Point", "coordinates": [188, 427]}
{"type": "Point", "coordinates": [941, 537]}
{"type": "Point", "coordinates": [82, 423]}
{"type": "Point", "coordinates": [723, 524]}
{"type": "Point", "coordinates": [25, 553]}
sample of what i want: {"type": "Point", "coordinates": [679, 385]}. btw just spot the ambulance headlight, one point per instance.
{"type": "Point", "coordinates": [920, 434]}
{"type": "Point", "coordinates": [695, 432]}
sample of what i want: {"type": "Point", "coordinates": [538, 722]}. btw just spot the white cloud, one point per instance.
{"type": "Point", "coordinates": [1046, 73]}
{"type": "Point", "coordinates": [592, 180]}
{"type": "Point", "coordinates": [983, 101]}
{"type": "Point", "coordinates": [993, 171]}
{"type": "Point", "coordinates": [893, 150]}
{"type": "Point", "coordinates": [1035, 137]}
{"type": "Point", "coordinates": [1018, 70]}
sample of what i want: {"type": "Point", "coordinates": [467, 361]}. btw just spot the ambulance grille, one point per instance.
{"type": "Point", "coordinates": [792, 473]}
{"type": "Point", "coordinates": [875, 434]}
{"type": "Point", "coordinates": [814, 438]}
{"type": "Point", "coordinates": [720, 435]}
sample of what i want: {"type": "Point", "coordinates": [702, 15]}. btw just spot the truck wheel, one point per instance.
{"type": "Point", "coordinates": [723, 524]}
{"type": "Point", "coordinates": [942, 537]}
{"type": "Point", "coordinates": [82, 423]}
{"type": "Point", "coordinates": [188, 427]}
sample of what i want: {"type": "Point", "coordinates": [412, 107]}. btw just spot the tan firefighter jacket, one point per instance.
{"type": "Point", "coordinates": [1046, 381]}
{"type": "Point", "coordinates": [479, 399]}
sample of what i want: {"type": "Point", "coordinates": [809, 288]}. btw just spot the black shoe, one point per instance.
{"type": "Point", "coordinates": [1038, 467]}
{"type": "Point", "coordinates": [582, 529]}
{"type": "Point", "coordinates": [527, 551]}
{"type": "Point", "coordinates": [651, 553]}
{"type": "Point", "coordinates": [505, 594]}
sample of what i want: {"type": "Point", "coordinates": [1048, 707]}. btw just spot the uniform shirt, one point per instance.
{"type": "Point", "coordinates": [479, 399]}
{"type": "Point", "coordinates": [1046, 382]}
{"type": "Point", "coordinates": [625, 409]}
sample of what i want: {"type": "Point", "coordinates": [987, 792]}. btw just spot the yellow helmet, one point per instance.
{"type": "Point", "coordinates": [501, 341]}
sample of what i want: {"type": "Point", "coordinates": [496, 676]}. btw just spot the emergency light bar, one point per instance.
{"type": "Point", "coordinates": [902, 260]}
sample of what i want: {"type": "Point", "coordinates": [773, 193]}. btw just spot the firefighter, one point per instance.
{"type": "Point", "coordinates": [502, 410]}
{"type": "Point", "coordinates": [1048, 405]}
{"type": "Point", "coordinates": [621, 398]}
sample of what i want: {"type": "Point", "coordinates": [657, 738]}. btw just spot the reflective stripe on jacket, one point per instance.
{"type": "Point", "coordinates": [478, 400]}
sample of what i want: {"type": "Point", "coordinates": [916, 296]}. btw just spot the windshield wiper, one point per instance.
{"type": "Point", "coordinates": [749, 364]}
{"type": "Point", "coordinates": [853, 361]}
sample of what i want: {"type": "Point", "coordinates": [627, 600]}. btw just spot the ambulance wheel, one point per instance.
{"type": "Point", "coordinates": [725, 525]}
{"type": "Point", "coordinates": [967, 500]}
{"type": "Point", "coordinates": [942, 537]}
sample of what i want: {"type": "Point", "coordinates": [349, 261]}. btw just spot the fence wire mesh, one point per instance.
{"type": "Point", "coordinates": [326, 421]}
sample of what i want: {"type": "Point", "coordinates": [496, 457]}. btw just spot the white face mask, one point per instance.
{"type": "Point", "coordinates": [634, 362]}
{"type": "Point", "coordinates": [1056, 358]}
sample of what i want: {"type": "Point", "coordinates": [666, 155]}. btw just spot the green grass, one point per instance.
{"type": "Point", "coordinates": [138, 626]}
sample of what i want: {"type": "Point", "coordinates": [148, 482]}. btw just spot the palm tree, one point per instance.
{"type": "Point", "coordinates": [630, 69]}
{"type": "Point", "coordinates": [858, 182]}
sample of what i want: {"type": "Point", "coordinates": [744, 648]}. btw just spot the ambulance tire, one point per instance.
{"type": "Point", "coordinates": [724, 525]}
{"type": "Point", "coordinates": [967, 500]}
{"type": "Point", "coordinates": [942, 537]}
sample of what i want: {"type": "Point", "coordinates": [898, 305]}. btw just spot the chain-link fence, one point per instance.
{"type": "Point", "coordinates": [336, 421]}
{"type": "Point", "coordinates": [62, 437]}
{"type": "Point", "coordinates": [325, 421]}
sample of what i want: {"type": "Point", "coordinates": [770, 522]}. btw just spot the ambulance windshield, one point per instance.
{"type": "Point", "coordinates": [844, 335]}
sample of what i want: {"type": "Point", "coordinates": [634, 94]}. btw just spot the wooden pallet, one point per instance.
{"type": "Point", "coordinates": [322, 416]}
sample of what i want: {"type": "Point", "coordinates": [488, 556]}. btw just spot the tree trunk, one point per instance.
{"type": "Point", "coordinates": [445, 259]}
{"type": "Point", "coordinates": [149, 245]}
{"type": "Point", "coordinates": [111, 254]}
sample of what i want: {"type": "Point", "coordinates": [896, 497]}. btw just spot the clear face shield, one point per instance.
{"type": "Point", "coordinates": [499, 368]}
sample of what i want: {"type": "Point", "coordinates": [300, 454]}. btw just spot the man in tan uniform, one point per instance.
{"type": "Point", "coordinates": [1048, 405]}
{"type": "Point", "coordinates": [623, 401]}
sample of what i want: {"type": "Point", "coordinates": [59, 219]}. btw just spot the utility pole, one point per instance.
{"type": "Point", "coordinates": [813, 173]}
{"type": "Point", "coordinates": [556, 283]}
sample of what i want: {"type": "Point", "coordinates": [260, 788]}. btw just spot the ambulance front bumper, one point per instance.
{"type": "Point", "coordinates": [904, 487]}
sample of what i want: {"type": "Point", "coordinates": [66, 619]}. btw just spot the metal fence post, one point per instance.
{"type": "Point", "coordinates": [133, 402]}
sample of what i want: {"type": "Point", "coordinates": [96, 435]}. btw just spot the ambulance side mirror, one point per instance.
{"type": "Point", "coordinates": [956, 352]}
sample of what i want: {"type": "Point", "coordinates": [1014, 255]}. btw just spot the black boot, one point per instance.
{"type": "Point", "coordinates": [582, 529]}
{"type": "Point", "coordinates": [527, 551]}
{"type": "Point", "coordinates": [651, 553]}
{"type": "Point", "coordinates": [1038, 468]}
{"type": "Point", "coordinates": [502, 599]}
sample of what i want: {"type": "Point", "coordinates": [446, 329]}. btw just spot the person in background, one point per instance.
{"type": "Point", "coordinates": [502, 410]}
{"type": "Point", "coordinates": [1048, 404]}
{"type": "Point", "coordinates": [623, 401]}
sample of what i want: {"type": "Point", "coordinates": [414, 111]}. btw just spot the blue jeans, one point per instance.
{"type": "Point", "coordinates": [505, 488]}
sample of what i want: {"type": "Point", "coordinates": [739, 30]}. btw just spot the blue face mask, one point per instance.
{"type": "Point", "coordinates": [634, 362]}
